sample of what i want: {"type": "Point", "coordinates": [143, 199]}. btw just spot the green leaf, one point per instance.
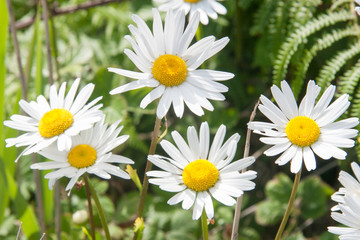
{"type": "Point", "coordinates": [312, 192]}
{"type": "Point", "coordinates": [3, 36]}
{"type": "Point", "coordinates": [296, 236]}
{"type": "Point", "coordinates": [127, 206]}
{"type": "Point", "coordinates": [116, 110]}
{"type": "Point", "coordinates": [48, 197]}
{"type": "Point", "coordinates": [103, 85]}
{"type": "Point", "coordinates": [30, 227]}
{"type": "Point", "coordinates": [328, 236]}
{"type": "Point", "coordinates": [38, 76]}
{"type": "Point", "coordinates": [249, 234]}
{"type": "Point", "coordinates": [279, 188]}
{"type": "Point", "coordinates": [269, 212]}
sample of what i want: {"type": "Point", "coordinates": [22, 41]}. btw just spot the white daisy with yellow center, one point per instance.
{"type": "Point", "coordinates": [299, 132]}
{"type": "Point", "coordinates": [357, 8]}
{"type": "Point", "coordinates": [58, 121]}
{"type": "Point", "coordinates": [169, 65]}
{"type": "Point", "coordinates": [350, 184]}
{"type": "Point", "coordinates": [198, 171]}
{"type": "Point", "coordinates": [206, 8]}
{"type": "Point", "coordinates": [90, 152]}
{"type": "Point", "coordinates": [348, 214]}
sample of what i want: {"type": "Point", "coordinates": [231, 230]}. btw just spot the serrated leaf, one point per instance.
{"type": "Point", "coordinates": [269, 212]}
{"type": "Point", "coordinates": [296, 236]}
{"type": "Point", "coordinates": [279, 188]}
{"type": "Point", "coordinates": [313, 198]}
{"type": "Point", "coordinates": [249, 234]}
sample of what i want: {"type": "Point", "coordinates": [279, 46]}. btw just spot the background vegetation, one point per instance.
{"type": "Point", "coordinates": [271, 40]}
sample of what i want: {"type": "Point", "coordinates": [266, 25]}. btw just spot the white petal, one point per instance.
{"type": "Point", "coordinates": [204, 140]}
{"type": "Point", "coordinates": [130, 74]}
{"type": "Point", "coordinates": [71, 94]}
{"type": "Point", "coordinates": [309, 159]}
{"type": "Point", "coordinates": [198, 206]}
{"type": "Point", "coordinates": [135, 85]}
{"type": "Point", "coordinates": [151, 96]}
{"type": "Point", "coordinates": [189, 199]}
{"type": "Point", "coordinates": [297, 160]}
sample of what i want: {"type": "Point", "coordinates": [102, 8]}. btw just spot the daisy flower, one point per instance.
{"type": "Point", "coordinates": [169, 65]}
{"type": "Point", "coordinates": [206, 8]}
{"type": "Point", "coordinates": [350, 184]}
{"type": "Point", "coordinates": [357, 8]}
{"type": "Point", "coordinates": [197, 174]}
{"type": "Point", "coordinates": [58, 121]}
{"type": "Point", "coordinates": [299, 132]}
{"type": "Point", "coordinates": [89, 152]}
{"type": "Point", "coordinates": [349, 216]}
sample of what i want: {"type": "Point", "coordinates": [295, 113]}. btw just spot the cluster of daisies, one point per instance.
{"type": "Point", "coordinates": [299, 133]}
{"type": "Point", "coordinates": [73, 135]}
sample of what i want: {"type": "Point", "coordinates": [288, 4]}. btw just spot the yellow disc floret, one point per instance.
{"type": "Point", "coordinates": [302, 131]}
{"type": "Point", "coordinates": [55, 122]}
{"type": "Point", "coordinates": [169, 70]}
{"type": "Point", "coordinates": [192, 1]}
{"type": "Point", "coordinates": [200, 175]}
{"type": "Point", "coordinates": [82, 155]}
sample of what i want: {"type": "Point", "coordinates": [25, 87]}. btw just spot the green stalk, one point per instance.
{"type": "Point", "coordinates": [198, 34]}
{"type": "Point", "coordinates": [91, 215]}
{"type": "Point", "coordinates": [99, 208]}
{"type": "Point", "coordinates": [289, 207]}
{"type": "Point", "coordinates": [237, 213]}
{"type": "Point", "coordinates": [153, 144]}
{"type": "Point", "coordinates": [204, 226]}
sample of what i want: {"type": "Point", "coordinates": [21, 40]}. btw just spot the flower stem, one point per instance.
{"type": "Point", "coordinates": [236, 221]}
{"type": "Point", "coordinates": [153, 144]}
{"type": "Point", "coordinates": [289, 207]}
{"type": "Point", "coordinates": [98, 206]}
{"type": "Point", "coordinates": [198, 33]}
{"type": "Point", "coordinates": [91, 215]}
{"type": "Point", "coordinates": [204, 226]}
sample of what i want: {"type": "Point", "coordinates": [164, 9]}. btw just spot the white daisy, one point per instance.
{"type": "Point", "coordinates": [58, 121]}
{"type": "Point", "coordinates": [357, 8]}
{"type": "Point", "coordinates": [299, 132]}
{"type": "Point", "coordinates": [169, 65]}
{"type": "Point", "coordinates": [206, 8]}
{"type": "Point", "coordinates": [350, 184]}
{"type": "Point", "coordinates": [197, 173]}
{"type": "Point", "coordinates": [349, 216]}
{"type": "Point", "coordinates": [89, 152]}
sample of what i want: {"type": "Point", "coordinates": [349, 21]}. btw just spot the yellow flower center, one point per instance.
{"type": "Point", "coordinates": [169, 70]}
{"type": "Point", "coordinates": [82, 156]}
{"type": "Point", "coordinates": [192, 1]}
{"type": "Point", "coordinates": [302, 131]}
{"type": "Point", "coordinates": [55, 122]}
{"type": "Point", "coordinates": [200, 175]}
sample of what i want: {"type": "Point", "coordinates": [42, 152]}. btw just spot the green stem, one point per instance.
{"type": "Point", "coordinates": [198, 33]}
{"type": "Point", "coordinates": [289, 207]}
{"type": "Point", "coordinates": [204, 226]}
{"type": "Point", "coordinates": [237, 213]}
{"type": "Point", "coordinates": [91, 215]}
{"type": "Point", "coordinates": [153, 144]}
{"type": "Point", "coordinates": [99, 208]}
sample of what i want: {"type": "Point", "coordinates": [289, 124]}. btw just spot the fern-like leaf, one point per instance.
{"type": "Point", "coordinates": [327, 40]}
{"type": "Point", "coordinates": [291, 44]}
{"type": "Point", "coordinates": [350, 81]}
{"type": "Point", "coordinates": [328, 72]}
